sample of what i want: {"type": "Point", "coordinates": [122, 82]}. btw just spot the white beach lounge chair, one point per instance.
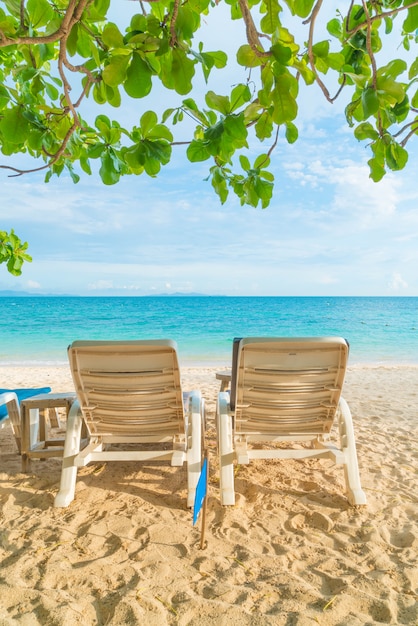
{"type": "Point", "coordinates": [129, 392]}
{"type": "Point", "coordinates": [283, 390]}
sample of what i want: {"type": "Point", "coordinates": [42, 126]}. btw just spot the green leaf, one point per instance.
{"type": "Point", "coordinates": [4, 96]}
{"type": "Point", "coordinates": [82, 42]}
{"type": "Point", "coordinates": [108, 172]}
{"type": "Point", "coordinates": [75, 177]}
{"type": "Point", "coordinates": [147, 122]}
{"type": "Point", "coordinates": [370, 102]}
{"type": "Point", "coordinates": [305, 71]}
{"type": "Point", "coordinates": [334, 28]}
{"type": "Point", "coordinates": [365, 131]}
{"type": "Point", "coordinates": [85, 165]}
{"type": "Point", "coordinates": [152, 167]}
{"type": "Point", "coordinates": [40, 12]}
{"type": "Point", "coordinates": [388, 25]}
{"type": "Point", "coordinates": [285, 105]}
{"type": "Point", "coordinates": [103, 124]}
{"type": "Point", "coordinates": [159, 131]}
{"type": "Point", "coordinates": [413, 70]}
{"type": "Point", "coordinates": [396, 156]}
{"type": "Point", "coordinates": [138, 81]}
{"type": "Point", "coordinates": [219, 103]}
{"type": "Point", "coordinates": [240, 95]}
{"type": "Point", "coordinates": [99, 93]}
{"type": "Point", "coordinates": [113, 95]}
{"type": "Point", "coordinates": [186, 23]}
{"type": "Point", "coordinates": [52, 91]}
{"type": "Point", "coordinates": [96, 11]}
{"type": "Point", "coordinates": [271, 21]}
{"type": "Point", "coordinates": [198, 151]}
{"type": "Point", "coordinates": [335, 60]}
{"type": "Point", "coordinates": [321, 49]}
{"type": "Point", "coordinates": [401, 109]}
{"type": "Point", "coordinates": [264, 189]}
{"type": "Point", "coordinates": [264, 126]}
{"type": "Point", "coordinates": [377, 171]}
{"type": "Point", "coordinates": [112, 37]}
{"type": "Point", "coordinates": [411, 22]}
{"type": "Point", "coordinates": [219, 183]}
{"type": "Point", "coordinates": [245, 163]}
{"type": "Point", "coordinates": [390, 90]}
{"type": "Point", "coordinates": [135, 157]}
{"type": "Point", "coordinates": [115, 71]}
{"type": "Point", "coordinates": [392, 69]}
{"type": "Point", "coordinates": [182, 71]}
{"type": "Point", "coordinates": [262, 161]}
{"type": "Point", "coordinates": [281, 53]}
{"type": "Point", "coordinates": [235, 128]}
{"type": "Point", "coordinates": [292, 132]}
{"type": "Point", "coordinates": [139, 22]}
{"type": "Point", "coordinates": [14, 126]}
{"type": "Point", "coordinates": [303, 7]}
{"type": "Point", "coordinates": [247, 57]}
{"type": "Point", "coordinates": [158, 150]}
{"type": "Point", "coordinates": [72, 40]}
{"type": "Point", "coordinates": [219, 58]}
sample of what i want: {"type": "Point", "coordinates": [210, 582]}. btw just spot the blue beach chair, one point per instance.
{"type": "Point", "coordinates": [10, 408]}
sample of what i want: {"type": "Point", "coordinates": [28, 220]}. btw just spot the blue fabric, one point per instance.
{"type": "Point", "coordinates": [201, 489]}
{"type": "Point", "coordinates": [22, 394]}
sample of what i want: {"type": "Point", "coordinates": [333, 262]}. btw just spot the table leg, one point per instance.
{"type": "Point", "coordinates": [30, 433]}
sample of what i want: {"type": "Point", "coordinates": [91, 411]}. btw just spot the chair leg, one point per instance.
{"type": "Point", "coordinates": [226, 451]}
{"type": "Point", "coordinates": [194, 452]}
{"type": "Point", "coordinates": [66, 491]}
{"type": "Point", "coordinates": [355, 493]}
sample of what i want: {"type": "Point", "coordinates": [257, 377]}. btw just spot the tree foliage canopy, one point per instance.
{"type": "Point", "coordinates": [13, 252]}
{"type": "Point", "coordinates": [56, 54]}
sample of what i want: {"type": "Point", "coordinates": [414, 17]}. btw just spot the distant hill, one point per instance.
{"type": "Point", "coordinates": [179, 294]}
{"type": "Point", "coordinates": [9, 293]}
{"type": "Point", "coordinates": [18, 294]}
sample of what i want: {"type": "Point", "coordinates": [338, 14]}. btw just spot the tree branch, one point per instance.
{"type": "Point", "coordinates": [253, 37]}
{"type": "Point", "coordinates": [414, 128]}
{"type": "Point", "coordinates": [56, 156]}
{"type": "Point", "coordinates": [72, 15]}
{"type": "Point", "coordinates": [312, 19]}
{"type": "Point", "coordinates": [22, 15]}
{"type": "Point", "coordinates": [377, 17]}
{"type": "Point", "coordinates": [173, 35]}
{"type": "Point", "coordinates": [369, 44]}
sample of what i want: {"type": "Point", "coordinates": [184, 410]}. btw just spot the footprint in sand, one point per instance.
{"type": "Point", "coordinates": [317, 520]}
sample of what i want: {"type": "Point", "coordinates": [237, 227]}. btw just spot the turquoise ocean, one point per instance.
{"type": "Point", "coordinates": [37, 330]}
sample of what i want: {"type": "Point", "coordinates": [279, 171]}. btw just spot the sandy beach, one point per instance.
{"type": "Point", "coordinates": [290, 552]}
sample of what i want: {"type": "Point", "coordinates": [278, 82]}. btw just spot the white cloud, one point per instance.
{"type": "Point", "coordinates": [397, 282]}
{"type": "Point", "coordinates": [101, 285]}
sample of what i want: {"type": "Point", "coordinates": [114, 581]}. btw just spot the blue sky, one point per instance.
{"type": "Point", "coordinates": [328, 231]}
